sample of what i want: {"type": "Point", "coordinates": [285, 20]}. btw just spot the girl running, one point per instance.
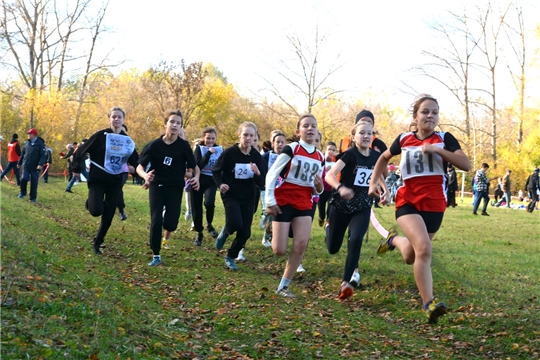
{"type": "Point", "coordinates": [168, 157]}
{"type": "Point", "coordinates": [110, 149]}
{"type": "Point", "coordinates": [237, 172]}
{"type": "Point", "coordinates": [277, 139]}
{"type": "Point", "coordinates": [206, 155]}
{"type": "Point", "coordinates": [300, 165]}
{"type": "Point", "coordinates": [421, 201]}
{"type": "Point", "coordinates": [351, 204]}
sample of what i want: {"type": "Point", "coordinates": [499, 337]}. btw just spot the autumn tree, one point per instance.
{"type": "Point", "coordinates": [176, 85]}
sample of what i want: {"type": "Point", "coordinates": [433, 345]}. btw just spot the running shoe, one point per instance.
{"type": "Point", "coordinates": [355, 279]}
{"type": "Point", "coordinates": [213, 233]}
{"type": "Point", "coordinates": [96, 249]}
{"type": "Point", "coordinates": [300, 269]}
{"type": "Point", "coordinates": [321, 222]}
{"type": "Point", "coordinates": [240, 256]}
{"type": "Point", "coordinates": [262, 223]}
{"type": "Point", "coordinates": [384, 246]}
{"type": "Point", "coordinates": [285, 292]}
{"type": "Point", "coordinates": [21, 196]}
{"type": "Point", "coordinates": [187, 216]}
{"type": "Point", "coordinates": [229, 262]}
{"type": "Point", "coordinates": [165, 244]}
{"type": "Point", "coordinates": [434, 310]}
{"type": "Point", "coordinates": [484, 213]}
{"type": "Point", "coordinates": [220, 240]}
{"type": "Point", "coordinates": [155, 261]}
{"type": "Point", "coordinates": [123, 215]}
{"type": "Point", "coordinates": [265, 241]}
{"type": "Point", "coordinates": [198, 239]}
{"type": "Point", "coordinates": [345, 291]}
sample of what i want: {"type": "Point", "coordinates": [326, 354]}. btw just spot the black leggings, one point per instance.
{"type": "Point", "coordinates": [171, 198]}
{"type": "Point", "coordinates": [323, 204]}
{"type": "Point", "coordinates": [102, 200]}
{"type": "Point", "coordinates": [207, 190]}
{"type": "Point", "coordinates": [358, 223]}
{"type": "Point", "coordinates": [238, 218]}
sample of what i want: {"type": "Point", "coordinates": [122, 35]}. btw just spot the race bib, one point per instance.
{"type": "Point", "coordinates": [118, 148]}
{"type": "Point", "coordinates": [243, 171]}
{"type": "Point", "coordinates": [207, 170]}
{"type": "Point", "coordinates": [303, 171]}
{"type": "Point", "coordinates": [363, 177]}
{"type": "Point", "coordinates": [414, 162]}
{"type": "Point", "coordinates": [272, 159]}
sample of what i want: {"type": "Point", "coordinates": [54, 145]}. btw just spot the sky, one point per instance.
{"type": "Point", "coordinates": [376, 43]}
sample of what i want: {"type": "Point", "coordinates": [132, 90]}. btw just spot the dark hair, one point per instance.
{"type": "Point", "coordinates": [116, 108]}
{"type": "Point", "coordinates": [485, 165]}
{"type": "Point", "coordinates": [14, 136]}
{"type": "Point", "coordinates": [419, 100]}
{"type": "Point", "coordinates": [125, 127]}
{"type": "Point", "coordinates": [168, 113]}
{"type": "Point", "coordinates": [331, 143]}
{"type": "Point", "coordinates": [365, 113]}
{"type": "Point", "coordinates": [208, 130]}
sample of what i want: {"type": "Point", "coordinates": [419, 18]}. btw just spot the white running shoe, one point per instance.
{"type": "Point", "coordinates": [240, 256]}
{"type": "Point", "coordinates": [300, 269]}
{"type": "Point", "coordinates": [355, 279]}
{"type": "Point", "coordinates": [266, 242]}
{"type": "Point", "coordinates": [188, 216]}
{"type": "Point", "coordinates": [262, 223]}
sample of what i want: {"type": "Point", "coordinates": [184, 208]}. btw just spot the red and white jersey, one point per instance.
{"type": "Point", "coordinates": [298, 176]}
{"type": "Point", "coordinates": [424, 180]}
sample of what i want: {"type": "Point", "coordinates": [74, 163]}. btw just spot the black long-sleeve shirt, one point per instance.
{"type": "Point", "coordinates": [95, 146]}
{"type": "Point", "coordinates": [226, 172]}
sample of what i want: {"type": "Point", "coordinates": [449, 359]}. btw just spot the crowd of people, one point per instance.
{"type": "Point", "coordinates": [291, 177]}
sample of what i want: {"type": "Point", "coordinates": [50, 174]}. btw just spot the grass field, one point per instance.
{"type": "Point", "coordinates": [59, 300]}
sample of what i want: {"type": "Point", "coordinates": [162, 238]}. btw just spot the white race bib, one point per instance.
{"type": "Point", "coordinates": [303, 171]}
{"type": "Point", "coordinates": [243, 171]}
{"type": "Point", "coordinates": [118, 148]}
{"type": "Point", "coordinates": [207, 170]}
{"type": "Point", "coordinates": [416, 163]}
{"type": "Point", "coordinates": [363, 177]}
{"type": "Point", "coordinates": [272, 159]}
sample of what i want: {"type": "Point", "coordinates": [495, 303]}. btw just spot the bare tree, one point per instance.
{"type": "Point", "coordinates": [516, 39]}
{"type": "Point", "coordinates": [455, 59]}
{"type": "Point", "coordinates": [176, 85]}
{"type": "Point", "coordinates": [38, 36]}
{"type": "Point", "coordinates": [303, 74]}
{"type": "Point", "coordinates": [492, 22]}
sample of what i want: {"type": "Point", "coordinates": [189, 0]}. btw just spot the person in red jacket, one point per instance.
{"type": "Point", "coordinates": [14, 154]}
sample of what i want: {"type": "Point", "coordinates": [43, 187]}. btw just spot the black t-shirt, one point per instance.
{"type": "Point", "coordinates": [169, 161]}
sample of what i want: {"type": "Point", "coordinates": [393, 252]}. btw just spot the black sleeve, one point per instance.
{"type": "Point", "coordinates": [133, 159]}
{"type": "Point", "coordinates": [199, 159]}
{"type": "Point", "coordinates": [260, 180]}
{"type": "Point", "coordinates": [18, 149]}
{"type": "Point", "coordinates": [379, 144]}
{"type": "Point", "coordinates": [450, 143]}
{"type": "Point", "coordinates": [395, 148]}
{"type": "Point", "coordinates": [81, 151]}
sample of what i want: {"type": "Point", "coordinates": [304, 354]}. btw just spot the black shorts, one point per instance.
{"type": "Point", "coordinates": [433, 220]}
{"type": "Point", "coordinates": [288, 213]}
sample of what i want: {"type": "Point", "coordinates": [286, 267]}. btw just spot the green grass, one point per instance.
{"type": "Point", "coordinates": [59, 300]}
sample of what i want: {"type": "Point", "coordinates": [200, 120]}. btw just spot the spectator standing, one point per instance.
{"type": "Point", "coordinates": [48, 162]}
{"type": "Point", "coordinates": [506, 187]}
{"type": "Point", "coordinates": [482, 186]}
{"type": "Point", "coordinates": [32, 160]}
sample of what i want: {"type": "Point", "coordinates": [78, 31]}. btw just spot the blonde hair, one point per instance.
{"type": "Point", "coordinates": [358, 124]}
{"type": "Point", "coordinates": [247, 124]}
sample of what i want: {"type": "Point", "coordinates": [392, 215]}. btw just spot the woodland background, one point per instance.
{"type": "Point", "coordinates": [58, 85]}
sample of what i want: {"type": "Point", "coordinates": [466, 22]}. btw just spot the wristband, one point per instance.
{"type": "Point", "coordinates": [339, 187]}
